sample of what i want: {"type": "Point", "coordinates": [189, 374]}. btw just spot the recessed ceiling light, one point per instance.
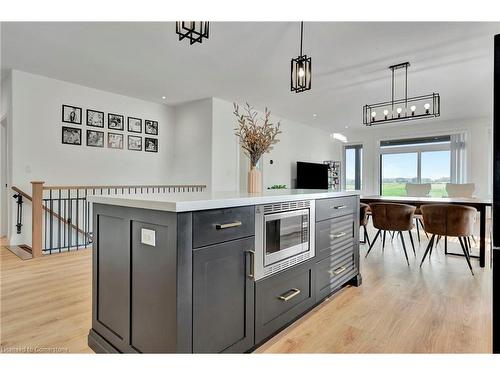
{"type": "Point", "coordinates": [315, 115]}
{"type": "Point", "coordinates": [164, 97]}
{"type": "Point", "coordinates": [347, 126]}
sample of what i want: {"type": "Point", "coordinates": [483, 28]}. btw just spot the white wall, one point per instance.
{"type": "Point", "coordinates": [37, 151]}
{"type": "Point", "coordinates": [193, 143]}
{"type": "Point", "coordinates": [479, 145]}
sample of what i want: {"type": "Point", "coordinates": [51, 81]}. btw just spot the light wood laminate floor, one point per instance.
{"type": "Point", "coordinates": [440, 308]}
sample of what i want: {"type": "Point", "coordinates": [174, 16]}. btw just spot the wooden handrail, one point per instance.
{"type": "Point", "coordinates": [19, 191]}
{"type": "Point", "coordinates": [82, 187]}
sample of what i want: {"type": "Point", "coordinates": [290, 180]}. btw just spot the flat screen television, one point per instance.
{"type": "Point", "coordinates": [312, 175]}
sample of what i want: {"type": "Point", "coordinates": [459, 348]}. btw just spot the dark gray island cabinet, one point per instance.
{"type": "Point", "coordinates": [176, 273]}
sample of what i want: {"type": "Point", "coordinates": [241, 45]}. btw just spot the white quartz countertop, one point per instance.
{"type": "Point", "coordinates": [184, 202]}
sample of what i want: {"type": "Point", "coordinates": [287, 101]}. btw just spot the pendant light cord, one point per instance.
{"type": "Point", "coordinates": [301, 35]}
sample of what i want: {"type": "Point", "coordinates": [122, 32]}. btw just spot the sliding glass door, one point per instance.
{"type": "Point", "coordinates": [353, 157]}
{"type": "Point", "coordinates": [435, 169]}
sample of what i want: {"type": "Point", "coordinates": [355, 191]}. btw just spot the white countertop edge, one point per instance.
{"type": "Point", "coordinates": [161, 202]}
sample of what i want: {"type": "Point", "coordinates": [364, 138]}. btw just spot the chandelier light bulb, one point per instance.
{"type": "Point", "coordinates": [413, 108]}
{"type": "Point", "coordinates": [302, 73]}
{"type": "Point", "coordinates": [399, 110]}
{"type": "Point", "coordinates": [386, 112]}
{"type": "Point", "coordinates": [373, 115]}
{"type": "Point", "coordinates": [427, 106]}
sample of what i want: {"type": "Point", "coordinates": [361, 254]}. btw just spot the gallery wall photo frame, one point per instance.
{"type": "Point", "coordinates": [71, 136]}
{"type": "Point", "coordinates": [151, 127]}
{"type": "Point", "coordinates": [150, 144]}
{"type": "Point", "coordinates": [115, 141]}
{"type": "Point", "coordinates": [95, 138]}
{"type": "Point", "coordinates": [115, 122]}
{"type": "Point", "coordinates": [134, 143]}
{"type": "Point", "coordinates": [71, 114]}
{"type": "Point", "coordinates": [134, 125]}
{"type": "Point", "coordinates": [95, 118]}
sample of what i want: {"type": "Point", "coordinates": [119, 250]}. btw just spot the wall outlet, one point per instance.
{"type": "Point", "coordinates": [148, 237]}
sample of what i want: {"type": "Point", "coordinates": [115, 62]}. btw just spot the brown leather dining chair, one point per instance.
{"type": "Point", "coordinates": [449, 220]}
{"type": "Point", "coordinates": [363, 221]}
{"type": "Point", "coordinates": [393, 217]}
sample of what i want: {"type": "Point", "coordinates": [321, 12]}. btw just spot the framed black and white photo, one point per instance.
{"type": "Point", "coordinates": [95, 138]}
{"type": "Point", "coordinates": [150, 144]}
{"type": "Point", "coordinates": [134, 125]}
{"type": "Point", "coordinates": [151, 127]}
{"type": "Point", "coordinates": [115, 122]}
{"type": "Point", "coordinates": [71, 136]}
{"type": "Point", "coordinates": [71, 114]}
{"type": "Point", "coordinates": [115, 140]}
{"type": "Point", "coordinates": [95, 118]}
{"type": "Point", "coordinates": [134, 143]}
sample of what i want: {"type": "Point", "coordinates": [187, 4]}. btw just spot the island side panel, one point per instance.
{"type": "Point", "coordinates": [134, 282]}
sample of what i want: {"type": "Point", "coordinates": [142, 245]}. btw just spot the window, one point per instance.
{"type": "Point", "coordinates": [353, 157]}
{"type": "Point", "coordinates": [417, 160]}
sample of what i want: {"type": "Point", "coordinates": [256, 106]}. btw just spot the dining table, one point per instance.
{"type": "Point", "coordinates": [479, 204]}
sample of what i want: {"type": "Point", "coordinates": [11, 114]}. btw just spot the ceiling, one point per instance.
{"type": "Point", "coordinates": [250, 61]}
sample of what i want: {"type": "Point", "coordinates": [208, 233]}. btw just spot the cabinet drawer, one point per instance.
{"type": "Point", "coordinates": [332, 272]}
{"type": "Point", "coordinates": [334, 234]}
{"type": "Point", "coordinates": [215, 226]}
{"type": "Point", "coordinates": [335, 207]}
{"type": "Point", "coordinates": [281, 298]}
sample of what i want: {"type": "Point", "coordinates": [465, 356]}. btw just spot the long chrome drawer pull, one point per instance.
{"type": "Point", "coordinates": [228, 225]}
{"type": "Point", "coordinates": [288, 296]}
{"type": "Point", "coordinates": [252, 263]}
{"type": "Point", "coordinates": [339, 207]}
{"type": "Point", "coordinates": [337, 271]}
{"type": "Point", "coordinates": [337, 235]}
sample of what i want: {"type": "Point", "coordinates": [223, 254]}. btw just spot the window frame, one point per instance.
{"type": "Point", "coordinates": [358, 162]}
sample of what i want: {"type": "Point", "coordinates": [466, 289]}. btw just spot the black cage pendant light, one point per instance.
{"type": "Point", "coordinates": [301, 69]}
{"type": "Point", "coordinates": [404, 109]}
{"type": "Point", "coordinates": [195, 31]}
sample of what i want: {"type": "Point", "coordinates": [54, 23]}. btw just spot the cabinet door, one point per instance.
{"type": "Point", "coordinates": [223, 297]}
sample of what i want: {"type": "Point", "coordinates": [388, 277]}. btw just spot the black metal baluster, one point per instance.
{"type": "Point", "coordinates": [51, 214]}
{"type": "Point", "coordinates": [59, 220]}
{"type": "Point", "coordinates": [70, 214]}
{"type": "Point", "coordinates": [77, 219]}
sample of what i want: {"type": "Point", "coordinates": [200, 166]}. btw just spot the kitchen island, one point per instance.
{"type": "Point", "coordinates": [215, 272]}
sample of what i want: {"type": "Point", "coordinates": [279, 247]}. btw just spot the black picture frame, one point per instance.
{"type": "Point", "coordinates": [151, 127]}
{"type": "Point", "coordinates": [88, 121]}
{"type": "Point", "coordinates": [112, 119]}
{"type": "Point", "coordinates": [119, 135]}
{"type": "Point", "coordinates": [64, 139]}
{"type": "Point", "coordinates": [131, 137]}
{"type": "Point", "coordinates": [92, 144]}
{"type": "Point", "coordinates": [131, 129]}
{"type": "Point", "coordinates": [148, 142]}
{"type": "Point", "coordinates": [78, 114]}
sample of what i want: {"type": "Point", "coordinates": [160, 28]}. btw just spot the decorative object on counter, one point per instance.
{"type": "Point", "coordinates": [150, 144]}
{"type": "Point", "coordinates": [71, 136]}
{"type": "Point", "coordinates": [255, 139]}
{"type": "Point", "coordinates": [407, 108]}
{"type": "Point", "coordinates": [115, 122]}
{"type": "Point", "coordinates": [95, 138]}
{"type": "Point", "coordinates": [277, 187]}
{"type": "Point", "coordinates": [334, 169]}
{"type": "Point", "coordinates": [115, 140]}
{"type": "Point", "coordinates": [134, 125]}
{"type": "Point", "coordinates": [95, 118]}
{"type": "Point", "coordinates": [71, 114]}
{"type": "Point", "coordinates": [301, 69]}
{"type": "Point", "coordinates": [195, 31]}
{"type": "Point", "coordinates": [151, 127]}
{"type": "Point", "coordinates": [134, 143]}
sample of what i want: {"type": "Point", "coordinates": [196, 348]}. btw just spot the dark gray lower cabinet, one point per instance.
{"type": "Point", "coordinates": [281, 298]}
{"type": "Point", "coordinates": [223, 297]}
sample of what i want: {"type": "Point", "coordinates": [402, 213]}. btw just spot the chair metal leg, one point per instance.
{"type": "Point", "coordinates": [418, 229]}
{"type": "Point", "coordinates": [421, 223]}
{"type": "Point", "coordinates": [474, 239]}
{"type": "Point", "coordinates": [367, 239]}
{"type": "Point", "coordinates": [437, 241]}
{"type": "Point", "coordinates": [427, 249]}
{"type": "Point", "coordinates": [392, 235]}
{"type": "Point", "coordinates": [463, 243]}
{"type": "Point", "coordinates": [404, 247]}
{"type": "Point", "coordinates": [469, 243]}
{"type": "Point", "coordinates": [383, 240]}
{"type": "Point", "coordinates": [412, 244]}
{"type": "Point", "coordinates": [373, 243]}
{"type": "Point", "coordinates": [445, 245]}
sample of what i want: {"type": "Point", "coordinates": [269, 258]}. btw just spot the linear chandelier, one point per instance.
{"type": "Point", "coordinates": [405, 109]}
{"type": "Point", "coordinates": [195, 31]}
{"type": "Point", "coordinates": [301, 69]}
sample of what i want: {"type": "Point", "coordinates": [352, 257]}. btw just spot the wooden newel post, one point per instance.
{"type": "Point", "coordinates": [36, 218]}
